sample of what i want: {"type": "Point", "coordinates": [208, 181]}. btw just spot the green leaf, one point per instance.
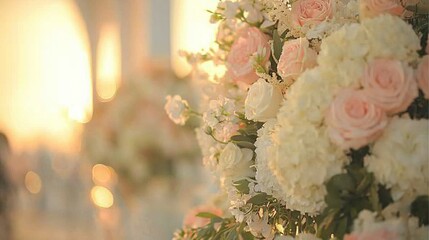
{"type": "Point", "coordinates": [334, 201]}
{"type": "Point", "coordinates": [258, 199]}
{"type": "Point", "coordinates": [277, 45]}
{"type": "Point", "coordinates": [365, 183]}
{"type": "Point", "coordinates": [208, 215]}
{"type": "Point", "coordinates": [373, 198]}
{"type": "Point", "coordinates": [420, 209]}
{"type": "Point", "coordinates": [241, 138]}
{"type": "Point", "coordinates": [242, 186]}
{"type": "Point", "coordinates": [341, 182]}
{"type": "Point", "coordinates": [245, 145]}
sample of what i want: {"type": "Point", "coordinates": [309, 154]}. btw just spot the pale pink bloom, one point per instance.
{"type": "Point", "coordinates": [354, 121]}
{"type": "Point", "coordinates": [296, 57]}
{"type": "Point", "coordinates": [372, 8]}
{"type": "Point", "coordinates": [379, 234]}
{"type": "Point", "coordinates": [250, 41]}
{"type": "Point", "coordinates": [191, 219]}
{"type": "Point", "coordinates": [311, 12]}
{"type": "Point", "coordinates": [423, 75]}
{"type": "Point", "coordinates": [390, 84]}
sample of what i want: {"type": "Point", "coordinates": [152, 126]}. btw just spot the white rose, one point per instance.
{"type": "Point", "coordinates": [262, 101]}
{"type": "Point", "coordinates": [177, 109]}
{"type": "Point", "coordinates": [230, 156]}
{"type": "Point", "coordinates": [235, 162]}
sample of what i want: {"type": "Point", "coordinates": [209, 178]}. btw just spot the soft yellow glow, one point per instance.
{"type": "Point", "coordinates": [108, 62]}
{"type": "Point", "coordinates": [191, 30]}
{"type": "Point", "coordinates": [101, 174]}
{"type": "Point", "coordinates": [33, 183]}
{"type": "Point", "coordinates": [45, 73]}
{"type": "Point", "coordinates": [102, 197]}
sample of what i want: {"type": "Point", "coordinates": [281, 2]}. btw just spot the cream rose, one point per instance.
{"type": "Point", "coordinates": [177, 109]}
{"type": "Point", "coordinates": [262, 101]}
{"type": "Point", "coordinates": [311, 12]}
{"type": "Point", "coordinates": [296, 57]}
{"type": "Point", "coordinates": [423, 75]}
{"type": "Point", "coordinates": [372, 8]}
{"type": "Point", "coordinates": [250, 41]}
{"type": "Point", "coordinates": [354, 121]}
{"type": "Point", "coordinates": [390, 84]}
{"type": "Point", "coordinates": [235, 163]}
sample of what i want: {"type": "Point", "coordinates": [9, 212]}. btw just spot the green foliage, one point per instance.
{"type": "Point", "coordinates": [420, 209]}
{"type": "Point", "coordinates": [348, 194]}
{"type": "Point", "coordinates": [419, 108]}
{"type": "Point", "coordinates": [242, 186]}
{"type": "Point", "coordinates": [217, 229]}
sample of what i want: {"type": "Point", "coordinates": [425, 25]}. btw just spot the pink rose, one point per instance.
{"type": "Point", "coordinates": [296, 57]}
{"type": "Point", "coordinates": [423, 75]}
{"type": "Point", "coordinates": [390, 84]}
{"type": "Point", "coordinates": [372, 8]}
{"type": "Point", "coordinates": [311, 12]}
{"type": "Point", "coordinates": [191, 219]}
{"type": "Point", "coordinates": [250, 41]}
{"type": "Point", "coordinates": [354, 121]}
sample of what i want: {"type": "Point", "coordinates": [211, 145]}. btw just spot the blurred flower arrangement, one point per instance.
{"type": "Point", "coordinates": [318, 126]}
{"type": "Point", "coordinates": [131, 134]}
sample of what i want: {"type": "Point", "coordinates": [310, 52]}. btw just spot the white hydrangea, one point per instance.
{"type": "Point", "coordinates": [266, 182]}
{"type": "Point", "coordinates": [390, 36]}
{"type": "Point", "coordinates": [400, 157]}
{"type": "Point", "coordinates": [303, 160]}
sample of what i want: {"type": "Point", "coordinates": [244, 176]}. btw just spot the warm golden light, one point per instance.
{"type": "Point", "coordinates": [108, 62]}
{"type": "Point", "coordinates": [191, 30]}
{"type": "Point", "coordinates": [33, 183]}
{"type": "Point", "coordinates": [101, 174]}
{"type": "Point", "coordinates": [102, 197]}
{"type": "Point", "coordinates": [45, 72]}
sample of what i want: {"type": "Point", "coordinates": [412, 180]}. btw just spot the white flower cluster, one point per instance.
{"type": "Point", "coordinates": [301, 140]}
{"type": "Point", "coordinates": [265, 181]}
{"type": "Point", "coordinates": [367, 226]}
{"type": "Point", "coordinates": [400, 157]}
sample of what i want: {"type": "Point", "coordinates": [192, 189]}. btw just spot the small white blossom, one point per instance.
{"type": "Point", "coordinates": [177, 109]}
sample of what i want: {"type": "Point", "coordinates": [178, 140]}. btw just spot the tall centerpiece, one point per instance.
{"type": "Point", "coordinates": [318, 126]}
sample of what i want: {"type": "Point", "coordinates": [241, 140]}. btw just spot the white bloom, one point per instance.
{"type": "Point", "coordinates": [303, 160]}
{"type": "Point", "coordinates": [301, 236]}
{"type": "Point", "coordinates": [400, 157]}
{"type": "Point", "coordinates": [266, 182]}
{"type": "Point", "coordinates": [230, 156]}
{"type": "Point", "coordinates": [366, 227]}
{"type": "Point", "coordinates": [259, 226]}
{"type": "Point", "coordinates": [263, 101]}
{"type": "Point", "coordinates": [177, 109]}
{"type": "Point", "coordinates": [234, 163]}
{"type": "Point", "coordinates": [391, 37]}
{"type": "Point", "coordinates": [231, 9]}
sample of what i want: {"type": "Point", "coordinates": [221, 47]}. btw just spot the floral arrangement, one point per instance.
{"type": "Point", "coordinates": [317, 127]}
{"type": "Point", "coordinates": [133, 137]}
